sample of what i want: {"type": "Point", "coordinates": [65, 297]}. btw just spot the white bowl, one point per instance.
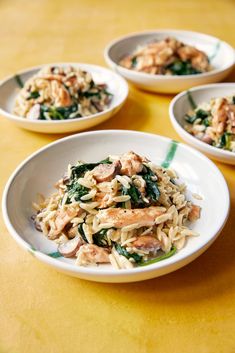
{"type": "Point", "coordinates": [222, 60]}
{"type": "Point", "coordinates": [39, 172]}
{"type": "Point", "coordinates": [9, 88]}
{"type": "Point", "coordinates": [180, 105]}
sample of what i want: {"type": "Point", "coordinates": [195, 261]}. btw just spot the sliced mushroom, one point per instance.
{"type": "Point", "coordinates": [147, 242]}
{"type": "Point", "coordinates": [207, 139]}
{"type": "Point", "coordinates": [106, 172]}
{"type": "Point", "coordinates": [70, 248]}
{"type": "Point", "coordinates": [36, 223]}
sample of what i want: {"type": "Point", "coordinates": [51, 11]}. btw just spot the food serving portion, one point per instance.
{"type": "Point", "coordinates": [123, 210]}
{"type": "Point", "coordinates": [39, 172]}
{"type": "Point", "coordinates": [168, 56]}
{"type": "Point", "coordinates": [61, 93]}
{"type": "Point", "coordinates": [213, 122]}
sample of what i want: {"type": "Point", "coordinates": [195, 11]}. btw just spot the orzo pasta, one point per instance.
{"type": "Point", "coordinates": [123, 210]}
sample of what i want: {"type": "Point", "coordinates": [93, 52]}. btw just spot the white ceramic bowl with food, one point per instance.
{"type": "Point", "coordinates": [221, 55]}
{"type": "Point", "coordinates": [180, 105]}
{"type": "Point", "coordinates": [10, 87]}
{"type": "Point", "coordinates": [39, 172]}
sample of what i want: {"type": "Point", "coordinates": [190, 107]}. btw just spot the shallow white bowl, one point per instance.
{"type": "Point", "coordinates": [9, 88]}
{"type": "Point", "coordinates": [222, 60]}
{"type": "Point", "coordinates": [180, 105]}
{"type": "Point", "coordinates": [39, 172]}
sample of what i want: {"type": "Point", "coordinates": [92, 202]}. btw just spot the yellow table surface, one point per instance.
{"type": "Point", "coordinates": [190, 310]}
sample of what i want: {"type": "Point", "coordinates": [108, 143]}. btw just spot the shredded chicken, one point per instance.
{"type": "Point", "coordinates": [119, 217]}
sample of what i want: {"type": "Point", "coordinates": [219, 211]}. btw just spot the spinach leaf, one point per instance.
{"type": "Point", "coordinates": [136, 199]}
{"type": "Point", "coordinates": [80, 170]}
{"type": "Point", "coordinates": [233, 100]}
{"type": "Point", "coordinates": [81, 232]}
{"type": "Point", "coordinates": [190, 118]}
{"type": "Point", "coordinates": [75, 191]}
{"type": "Point", "coordinates": [107, 92]}
{"type": "Point", "coordinates": [19, 81]}
{"type": "Point", "coordinates": [100, 238]}
{"type": "Point", "coordinates": [105, 161]}
{"type": "Point", "coordinates": [134, 61]}
{"type": "Point", "coordinates": [133, 192]}
{"type": "Point", "coordinates": [182, 68]}
{"type": "Point", "coordinates": [152, 190]}
{"type": "Point", "coordinates": [122, 251]}
{"type": "Point", "coordinates": [206, 122]}
{"type": "Point", "coordinates": [55, 254]}
{"type": "Point", "coordinates": [159, 258]}
{"type": "Point", "coordinates": [33, 95]}
{"type": "Point", "coordinates": [88, 94]}
{"type": "Point", "coordinates": [224, 141]}
{"type": "Point", "coordinates": [191, 100]}
{"type": "Point", "coordinates": [201, 114]}
{"type": "Point", "coordinates": [59, 113]}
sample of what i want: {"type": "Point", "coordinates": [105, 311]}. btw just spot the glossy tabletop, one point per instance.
{"type": "Point", "coordinates": [190, 310]}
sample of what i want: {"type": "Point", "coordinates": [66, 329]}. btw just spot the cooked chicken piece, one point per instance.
{"type": "Point", "coordinates": [120, 217]}
{"type": "Point", "coordinates": [219, 112]}
{"type": "Point", "coordinates": [92, 254]}
{"type": "Point", "coordinates": [72, 232]}
{"type": "Point", "coordinates": [63, 217]}
{"type": "Point", "coordinates": [200, 62]}
{"type": "Point", "coordinates": [152, 48]}
{"type": "Point", "coordinates": [231, 117]}
{"type": "Point", "coordinates": [131, 163]}
{"type": "Point", "coordinates": [60, 94]}
{"type": "Point", "coordinates": [194, 214]}
{"type": "Point", "coordinates": [52, 77]}
{"type": "Point", "coordinates": [163, 56]}
{"type": "Point", "coordinates": [198, 59]}
{"type": "Point", "coordinates": [105, 199]}
{"type": "Point", "coordinates": [173, 43]}
{"type": "Point", "coordinates": [147, 242]}
{"type": "Point", "coordinates": [145, 61]}
{"type": "Point", "coordinates": [106, 172]}
{"type": "Point", "coordinates": [70, 248]}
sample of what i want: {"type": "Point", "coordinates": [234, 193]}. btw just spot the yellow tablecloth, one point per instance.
{"type": "Point", "coordinates": [191, 310]}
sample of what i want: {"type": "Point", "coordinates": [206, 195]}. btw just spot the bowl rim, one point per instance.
{"type": "Point", "coordinates": [120, 68]}
{"type": "Point", "coordinates": [214, 150]}
{"type": "Point", "coordinates": [14, 117]}
{"type": "Point", "coordinates": [66, 267]}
